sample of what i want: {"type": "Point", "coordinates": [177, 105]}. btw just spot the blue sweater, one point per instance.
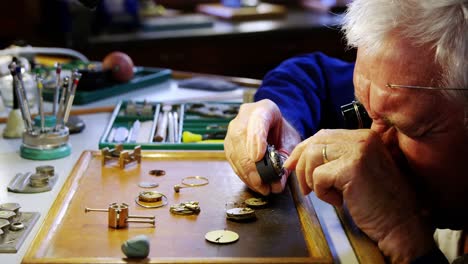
{"type": "Point", "coordinates": [309, 91]}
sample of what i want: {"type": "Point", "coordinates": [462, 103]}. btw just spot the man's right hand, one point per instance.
{"type": "Point", "coordinates": [255, 126]}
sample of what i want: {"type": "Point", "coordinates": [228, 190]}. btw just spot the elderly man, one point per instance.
{"type": "Point", "coordinates": [404, 176]}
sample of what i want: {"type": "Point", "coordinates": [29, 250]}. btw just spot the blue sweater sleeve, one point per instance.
{"type": "Point", "coordinates": [309, 91]}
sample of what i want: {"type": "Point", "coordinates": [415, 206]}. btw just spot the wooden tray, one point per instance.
{"type": "Point", "coordinates": [286, 231]}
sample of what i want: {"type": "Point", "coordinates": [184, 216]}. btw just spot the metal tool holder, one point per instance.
{"type": "Point", "coordinates": [166, 125]}
{"type": "Point", "coordinates": [124, 157]}
{"type": "Point", "coordinates": [14, 226]}
{"type": "Point", "coordinates": [42, 180]}
{"type": "Point", "coordinates": [46, 144]}
{"type": "Point", "coordinates": [45, 137]}
{"type": "Point", "coordinates": [119, 217]}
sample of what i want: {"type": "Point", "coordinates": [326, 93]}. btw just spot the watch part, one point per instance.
{"type": "Point", "coordinates": [160, 199]}
{"type": "Point", "coordinates": [7, 215]}
{"type": "Point", "coordinates": [10, 207]}
{"type": "Point", "coordinates": [221, 236]}
{"type": "Point", "coordinates": [195, 181]}
{"type": "Point", "coordinates": [16, 226]}
{"type": "Point", "coordinates": [148, 184]}
{"type": "Point", "coordinates": [240, 214]}
{"type": "Point", "coordinates": [157, 172]}
{"type": "Point", "coordinates": [186, 208]}
{"type": "Point", "coordinates": [150, 197]}
{"type": "Point", "coordinates": [256, 202]}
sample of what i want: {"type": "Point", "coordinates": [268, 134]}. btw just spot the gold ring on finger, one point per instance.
{"type": "Point", "coordinates": [324, 154]}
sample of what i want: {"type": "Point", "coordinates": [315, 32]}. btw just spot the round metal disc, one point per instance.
{"type": "Point", "coordinates": [10, 206]}
{"type": "Point", "coordinates": [150, 196]}
{"type": "Point", "coordinates": [6, 214]}
{"type": "Point", "coordinates": [221, 236]}
{"type": "Point", "coordinates": [256, 202]}
{"type": "Point", "coordinates": [158, 204]}
{"type": "Point", "coordinates": [148, 184]}
{"type": "Point", "coordinates": [16, 226]}
{"type": "Point", "coordinates": [240, 214]}
{"type": "Point", "coordinates": [46, 169]}
{"type": "Point", "coordinates": [240, 211]}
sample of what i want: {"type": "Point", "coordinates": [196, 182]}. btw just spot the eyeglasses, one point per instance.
{"type": "Point", "coordinates": [424, 87]}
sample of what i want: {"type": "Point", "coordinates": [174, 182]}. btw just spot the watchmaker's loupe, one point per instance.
{"type": "Point", "coordinates": [355, 116]}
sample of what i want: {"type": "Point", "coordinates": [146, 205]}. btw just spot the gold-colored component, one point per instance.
{"type": "Point", "coordinates": [194, 181]}
{"type": "Point", "coordinates": [191, 181]}
{"type": "Point", "coordinates": [186, 208]}
{"type": "Point", "coordinates": [256, 202]}
{"type": "Point", "coordinates": [150, 197]}
{"type": "Point", "coordinates": [124, 156]}
{"type": "Point", "coordinates": [118, 216]}
{"type": "Point", "coordinates": [177, 188]}
{"type": "Point", "coordinates": [110, 154]}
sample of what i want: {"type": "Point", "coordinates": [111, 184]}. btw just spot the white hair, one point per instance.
{"type": "Point", "coordinates": [441, 23]}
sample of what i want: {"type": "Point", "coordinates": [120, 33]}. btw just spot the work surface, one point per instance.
{"type": "Point", "coordinates": [11, 163]}
{"type": "Point", "coordinates": [281, 231]}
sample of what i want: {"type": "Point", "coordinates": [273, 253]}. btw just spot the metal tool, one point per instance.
{"type": "Point", "coordinates": [119, 217]}
{"type": "Point", "coordinates": [161, 130]}
{"type": "Point", "coordinates": [22, 101]}
{"type": "Point", "coordinates": [71, 95]}
{"type": "Point", "coordinates": [61, 105]}
{"type": "Point", "coordinates": [58, 70]}
{"type": "Point", "coordinates": [40, 101]}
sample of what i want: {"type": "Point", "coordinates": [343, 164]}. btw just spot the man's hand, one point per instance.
{"type": "Point", "coordinates": [257, 125]}
{"type": "Point", "coordinates": [355, 167]}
